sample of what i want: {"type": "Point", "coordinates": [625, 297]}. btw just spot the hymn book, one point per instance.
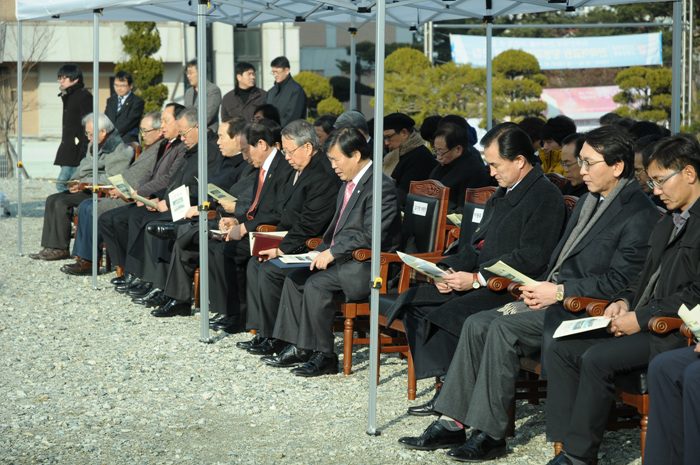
{"type": "Point", "coordinates": [128, 192]}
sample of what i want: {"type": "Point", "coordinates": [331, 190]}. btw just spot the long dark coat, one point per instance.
{"type": "Point", "coordinates": [77, 103]}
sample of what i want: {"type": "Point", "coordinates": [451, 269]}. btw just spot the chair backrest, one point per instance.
{"type": "Point", "coordinates": [571, 201]}
{"type": "Point", "coordinates": [475, 199]}
{"type": "Point", "coordinates": [137, 149]}
{"type": "Point", "coordinates": [556, 179]}
{"type": "Point", "coordinates": [425, 216]}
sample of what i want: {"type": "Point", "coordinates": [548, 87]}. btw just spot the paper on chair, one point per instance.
{"type": "Point", "coordinates": [501, 269]}
{"type": "Point", "coordinates": [582, 325]}
{"type": "Point", "coordinates": [691, 318]}
{"type": "Point", "coordinates": [423, 266]}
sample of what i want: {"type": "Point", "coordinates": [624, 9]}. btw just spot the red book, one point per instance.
{"type": "Point", "coordinates": [264, 241]}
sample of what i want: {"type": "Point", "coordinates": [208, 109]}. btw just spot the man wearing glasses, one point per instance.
{"type": "Point", "coordinates": [286, 95]}
{"type": "Point", "coordinates": [125, 108]}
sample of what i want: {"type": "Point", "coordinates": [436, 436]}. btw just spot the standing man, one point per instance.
{"type": "Point", "coordinates": [286, 95]}
{"type": "Point", "coordinates": [77, 102]}
{"type": "Point", "coordinates": [213, 96]}
{"type": "Point", "coordinates": [125, 108]}
{"type": "Point", "coordinates": [242, 101]}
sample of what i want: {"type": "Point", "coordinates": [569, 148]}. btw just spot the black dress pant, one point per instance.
{"type": "Point", "coordinates": [58, 217]}
{"type": "Point", "coordinates": [114, 226]}
{"type": "Point", "coordinates": [264, 292]}
{"type": "Point", "coordinates": [227, 273]}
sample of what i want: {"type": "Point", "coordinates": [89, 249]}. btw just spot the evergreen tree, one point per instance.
{"type": "Point", "coordinates": [142, 41]}
{"type": "Point", "coordinates": [517, 84]}
{"type": "Point", "coordinates": [645, 93]}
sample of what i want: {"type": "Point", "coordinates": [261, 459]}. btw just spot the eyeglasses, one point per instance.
{"type": "Point", "coordinates": [585, 164]}
{"type": "Point", "coordinates": [660, 183]}
{"type": "Point", "coordinates": [184, 134]}
{"type": "Point", "coordinates": [638, 171]}
{"type": "Point", "coordinates": [389, 136]}
{"type": "Point", "coordinates": [276, 73]}
{"type": "Point", "coordinates": [146, 131]}
{"type": "Point", "coordinates": [566, 166]}
{"type": "Point", "coordinates": [442, 154]}
{"type": "Point", "coordinates": [289, 153]}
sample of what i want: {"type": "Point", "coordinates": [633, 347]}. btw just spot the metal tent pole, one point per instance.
{"type": "Point", "coordinates": [376, 216]}
{"type": "Point", "coordinates": [202, 182]}
{"type": "Point", "coordinates": [19, 137]}
{"type": "Point", "coordinates": [353, 58]}
{"type": "Point", "coordinates": [675, 69]}
{"type": "Point", "coordinates": [489, 75]}
{"type": "Point", "coordinates": [95, 138]}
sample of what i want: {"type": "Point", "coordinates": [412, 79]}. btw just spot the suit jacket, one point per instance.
{"type": "Point", "coordinates": [112, 158]}
{"type": "Point", "coordinates": [128, 119]}
{"type": "Point", "coordinates": [308, 206]}
{"type": "Point", "coordinates": [679, 279]}
{"type": "Point", "coordinates": [232, 105]}
{"type": "Point", "coordinates": [163, 167]}
{"type": "Point", "coordinates": [272, 196]}
{"type": "Point", "coordinates": [354, 231]}
{"type": "Point", "coordinates": [289, 98]}
{"type": "Point", "coordinates": [77, 103]}
{"type": "Point", "coordinates": [213, 103]}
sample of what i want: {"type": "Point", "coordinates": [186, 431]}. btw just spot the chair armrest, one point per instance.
{"type": "Point", "coordinates": [211, 214]}
{"type": "Point", "coordinates": [266, 228]}
{"type": "Point", "coordinates": [595, 307]}
{"type": "Point", "coordinates": [685, 331]}
{"type": "Point", "coordinates": [498, 283]}
{"type": "Point", "coordinates": [664, 324]}
{"type": "Point", "coordinates": [313, 242]}
{"type": "Point", "coordinates": [452, 235]}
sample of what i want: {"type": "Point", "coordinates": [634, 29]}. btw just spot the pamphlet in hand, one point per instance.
{"type": "Point", "coordinates": [691, 318]}
{"type": "Point", "coordinates": [179, 202]}
{"type": "Point", "coordinates": [302, 260]}
{"type": "Point", "coordinates": [219, 194]}
{"type": "Point", "coordinates": [128, 192]}
{"type": "Point", "coordinates": [566, 328]}
{"type": "Point", "coordinates": [423, 266]}
{"type": "Point", "coordinates": [501, 269]}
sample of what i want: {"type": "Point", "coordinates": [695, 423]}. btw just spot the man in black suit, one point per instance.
{"type": "Point", "coordinates": [583, 367]}
{"type": "Point", "coordinates": [306, 212]}
{"type": "Point", "coordinates": [601, 250]}
{"type": "Point", "coordinates": [305, 315]}
{"type": "Point", "coordinates": [286, 95]}
{"type": "Point", "coordinates": [125, 108]}
{"type": "Point", "coordinates": [228, 260]}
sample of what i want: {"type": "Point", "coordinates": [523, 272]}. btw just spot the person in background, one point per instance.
{"type": "Point", "coordinates": [125, 108]}
{"type": "Point", "coordinates": [213, 95]}
{"type": "Point", "coordinates": [570, 151]}
{"type": "Point", "coordinates": [243, 100]}
{"type": "Point", "coordinates": [324, 127]}
{"type": "Point", "coordinates": [266, 111]}
{"type": "Point", "coordinates": [552, 134]}
{"type": "Point", "coordinates": [287, 94]}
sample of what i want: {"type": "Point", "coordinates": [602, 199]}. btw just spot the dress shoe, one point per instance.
{"type": "Point", "coordinates": [140, 290]}
{"type": "Point", "coordinates": [245, 345]}
{"type": "Point", "coordinates": [291, 356]}
{"type": "Point", "coordinates": [173, 308]}
{"type": "Point", "coordinates": [319, 364]}
{"type": "Point", "coordinates": [158, 301]}
{"type": "Point", "coordinates": [123, 279]}
{"type": "Point", "coordinates": [435, 437]}
{"type": "Point", "coordinates": [162, 231]}
{"type": "Point", "coordinates": [426, 409]}
{"type": "Point", "coordinates": [269, 346]}
{"type": "Point", "coordinates": [141, 300]}
{"type": "Point", "coordinates": [79, 268]}
{"type": "Point", "coordinates": [216, 318]}
{"type": "Point", "coordinates": [122, 288]}
{"type": "Point", "coordinates": [50, 254]}
{"type": "Point", "coordinates": [37, 256]}
{"type": "Point", "coordinates": [229, 324]}
{"type": "Point", "coordinates": [480, 447]}
{"type": "Point", "coordinates": [562, 458]}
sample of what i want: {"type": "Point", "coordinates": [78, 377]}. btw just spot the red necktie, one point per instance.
{"type": "Point", "coordinates": [348, 193]}
{"type": "Point", "coordinates": [261, 180]}
{"type": "Point", "coordinates": [167, 146]}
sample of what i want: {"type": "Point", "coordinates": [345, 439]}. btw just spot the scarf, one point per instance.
{"type": "Point", "coordinates": [392, 158]}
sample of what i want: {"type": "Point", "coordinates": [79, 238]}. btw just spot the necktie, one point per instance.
{"type": "Point", "coordinates": [296, 177]}
{"type": "Point", "coordinates": [120, 103]}
{"type": "Point", "coordinates": [348, 193]}
{"type": "Point", "coordinates": [167, 146]}
{"type": "Point", "coordinates": [261, 180]}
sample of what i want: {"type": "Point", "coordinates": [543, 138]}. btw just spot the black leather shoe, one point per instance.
{"type": "Point", "coordinates": [157, 301]}
{"type": "Point", "coordinates": [133, 282]}
{"type": "Point", "coordinates": [291, 356]}
{"type": "Point", "coordinates": [563, 459]}
{"type": "Point", "coordinates": [140, 290]}
{"type": "Point", "coordinates": [435, 437]}
{"type": "Point", "coordinates": [123, 279]}
{"type": "Point", "coordinates": [229, 324]}
{"type": "Point", "coordinates": [245, 345]}
{"type": "Point", "coordinates": [269, 346]}
{"type": "Point", "coordinates": [319, 364]}
{"type": "Point", "coordinates": [162, 231]}
{"type": "Point", "coordinates": [216, 318]}
{"type": "Point", "coordinates": [480, 447]}
{"type": "Point", "coordinates": [426, 409]}
{"type": "Point", "coordinates": [141, 300]}
{"type": "Point", "coordinates": [173, 308]}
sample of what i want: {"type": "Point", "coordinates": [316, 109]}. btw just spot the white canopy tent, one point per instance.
{"type": "Point", "coordinates": [340, 13]}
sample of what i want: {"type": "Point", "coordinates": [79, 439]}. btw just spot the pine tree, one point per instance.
{"type": "Point", "coordinates": [142, 41]}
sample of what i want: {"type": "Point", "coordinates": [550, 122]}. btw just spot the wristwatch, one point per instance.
{"type": "Point", "coordinates": [476, 284]}
{"type": "Point", "coordinates": [560, 292]}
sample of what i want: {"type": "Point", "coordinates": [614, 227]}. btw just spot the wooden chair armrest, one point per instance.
{"type": "Point", "coordinates": [211, 214]}
{"type": "Point", "coordinates": [266, 228]}
{"type": "Point", "coordinates": [498, 283]}
{"type": "Point", "coordinates": [313, 242]}
{"type": "Point", "coordinates": [685, 331]}
{"type": "Point", "coordinates": [577, 304]}
{"type": "Point", "coordinates": [664, 324]}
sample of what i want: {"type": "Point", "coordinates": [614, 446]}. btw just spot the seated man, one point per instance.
{"type": "Point", "coordinates": [82, 246]}
{"type": "Point", "coordinates": [570, 152]}
{"type": "Point", "coordinates": [552, 134]}
{"type": "Point", "coordinates": [113, 157]}
{"type": "Point", "coordinates": [642, 148]}
{"type": "Point", "coordinates": [460, 166]}
{"type": "Point", "coordinates": [306, 212]}
{"type": "Point", "coordinates": [602, 249]}
{"type": "Point", "coordinates": [305, 315]}
{"type": "Point", "coordinates": [514, 228]}
{"type": "Point", "coordinates": [124, 107]}
{"type": "Point", "coordinates": [581, 386]}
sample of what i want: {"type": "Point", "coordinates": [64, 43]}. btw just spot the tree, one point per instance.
{"type": "Point", "coordinates": [645, 93]}
{"type": "Point", "coordinates": [517, 86]}
{"type": "Point", "coordinates": [407, 71]}
{"type": "Point", "coordinates": [142, 41]}
{"type": "Point", "coordinates": [330, 105]}
{"type": "Point", "coordinates": [317, 88]}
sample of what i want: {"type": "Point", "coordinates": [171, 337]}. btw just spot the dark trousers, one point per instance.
{"type": "Point", "coordinates": [264, 292]}
{"type": "Point", "coordinates": [306, 310]}
{"type": "Point", "coordinates": [136, 251]}
{"type": "Point", "coordinates": [432, 348]}
{"type": "Point", "coordinates": [227, 273]}
{"type": "Point", "coordinates": [114, 226]}
{"type": "Point", "coordinates": [58, 216]}
{"type": "Point", "coordinates": [674, 408]}
{"type": "Point", "coordinates": [480, 384]}
{"type": "Point", "coordinates": [581, 385]}
{"type": "Point", "coordinates": [82, 245]}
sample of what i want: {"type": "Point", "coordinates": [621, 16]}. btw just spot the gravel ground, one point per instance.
{"type": "Point", "coordinates": [87, 377]}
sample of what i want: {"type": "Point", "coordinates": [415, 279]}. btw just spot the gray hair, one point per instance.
{"type": "Point", "coordinates": [155, 118]}
{"type": "Point", "coordinates": [190, 115]}
{"type": "Point", "coordinates": [352, 119]}
{"type": "Point", "coordinates": [301, 132]}
{"type": "Point", "coordinates": [103, 122]}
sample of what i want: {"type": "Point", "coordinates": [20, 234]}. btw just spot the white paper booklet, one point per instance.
{"type": "Point", "coordinates": [582, 325]}
{"type": "Point", "coordinates": [298, 258]}
{"type": "Point", "coordinates": [691, 318]}
{"type": "Point", "coordinates": [179, 202]}
{"type": "Point", "coordinates": [128, 192]}
{"type": "Point", "coordinates": [501, 269]}
{"type": "Point", "coordinates": [219, 194]}
{"type": "Point", "coordinates": [423, 266]}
